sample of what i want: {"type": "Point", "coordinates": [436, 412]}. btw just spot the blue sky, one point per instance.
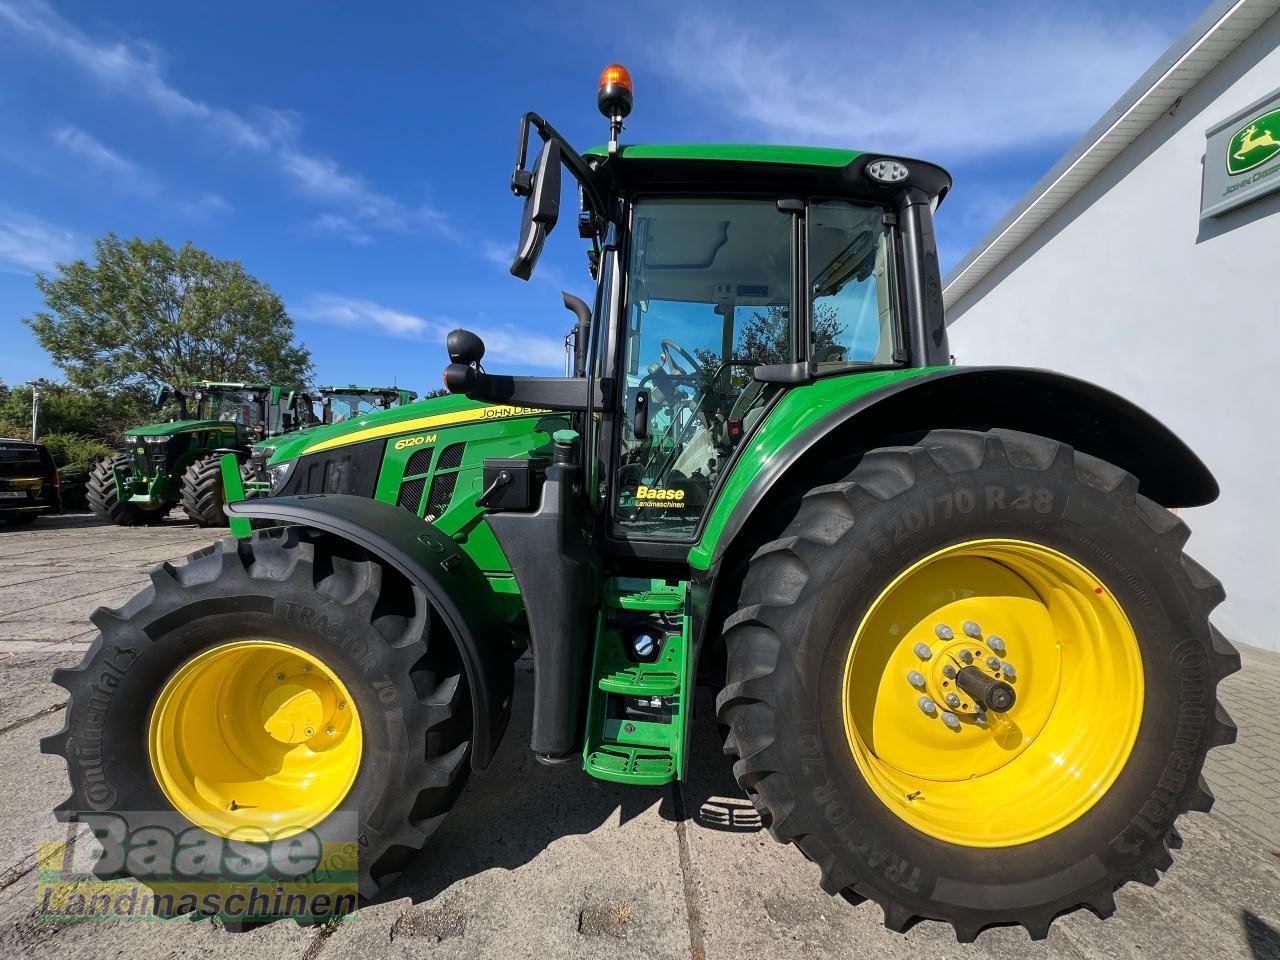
{"type": "Point", "coordinates": [357, 156]}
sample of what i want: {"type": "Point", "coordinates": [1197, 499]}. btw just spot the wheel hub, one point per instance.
{"type": "Point", "coordinates": [950, 660]}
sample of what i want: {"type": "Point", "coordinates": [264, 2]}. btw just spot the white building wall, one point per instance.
{"type": "Point", "coordinates": [1125, 288]}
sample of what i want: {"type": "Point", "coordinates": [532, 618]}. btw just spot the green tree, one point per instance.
{"type": "Point", "coordinates": [147, 314]}
{"type": "Point", "coordinates": [68, 410]}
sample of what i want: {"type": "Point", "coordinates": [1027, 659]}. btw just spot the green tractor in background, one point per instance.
{"type": "Point", "coordinates": [963, 661]}
{"type": "Point", "coordinates": [349, 404]}
{"type": "Point", "coordinates": [178, 461]}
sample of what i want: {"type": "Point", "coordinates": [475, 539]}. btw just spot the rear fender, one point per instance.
{"type": "Point", "coordinates": [451, 580]}
{"type": "Point", "coordinates": [1082, 414]}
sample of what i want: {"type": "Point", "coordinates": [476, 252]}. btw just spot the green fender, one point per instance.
{"type": "Point", "coordinates": [834, 416]}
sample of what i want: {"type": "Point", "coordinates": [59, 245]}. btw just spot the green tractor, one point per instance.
{"type": "Point", "coordinates": [347, 404]}
{"type": "Point", "coordinates": [178, 461]}
{"type": "Point", "coordinates": [963, 662]}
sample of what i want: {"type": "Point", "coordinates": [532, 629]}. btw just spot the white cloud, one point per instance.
{"type": "Point", "coordinates": [30, 244]}
{"type": "Point", "coordinates": [133, 69]}
{"type": "Point", "coordinates": [133, 177]}
{"type": "Point", "coordinates": [84, 145]}
{"type": "Point", "coordinates": [929, 82]}
{"type": "Point", "coordinates": [502, 344]}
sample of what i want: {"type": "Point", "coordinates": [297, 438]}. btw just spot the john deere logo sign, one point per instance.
{"type": "Point", "coordinates": [1254, 144]}
{"type": "Point", "coordinates": [1242, 158]}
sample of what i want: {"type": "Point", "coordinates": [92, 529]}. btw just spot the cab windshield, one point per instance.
{"type": "Point", "coordinates": [350, 406]}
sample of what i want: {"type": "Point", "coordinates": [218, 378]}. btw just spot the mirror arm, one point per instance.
{"type": "Point", "coordinates": [552, 393]}
{"type": "Point", "coordinates": [570, 157]}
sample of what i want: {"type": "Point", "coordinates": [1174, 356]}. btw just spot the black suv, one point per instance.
{"type": "Point", "coordinates": [28, 481]}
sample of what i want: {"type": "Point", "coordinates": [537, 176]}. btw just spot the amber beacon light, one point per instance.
{"type": "Point", "coordinates": [614, 98]}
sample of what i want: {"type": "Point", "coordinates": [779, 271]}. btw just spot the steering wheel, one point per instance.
{"type": "Point", "coordinates": [669, 347]}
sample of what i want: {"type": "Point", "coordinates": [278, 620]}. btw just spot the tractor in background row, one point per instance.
{"type": "Point", "coordinates": [177, 461]}
{"type": "Point", "coordinates": [962, 659]}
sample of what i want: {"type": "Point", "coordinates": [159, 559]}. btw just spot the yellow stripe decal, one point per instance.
{"type": "Point", "coordinates": [475, 415]}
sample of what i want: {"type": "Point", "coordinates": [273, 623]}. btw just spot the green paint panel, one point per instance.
{"type": "Point", "coordinates": [179, 426]}
{"type": "Point", "coordinates": [734, 153]}
{"type": "Point", "coordinates": [798, 409]}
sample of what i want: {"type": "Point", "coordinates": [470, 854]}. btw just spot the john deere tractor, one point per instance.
{"type": "Point", "coordinates": [165, 463]}
{"type": "Point", "coordinates": [962, 659]}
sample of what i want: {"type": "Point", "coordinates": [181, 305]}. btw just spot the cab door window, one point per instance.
{"type": "Point", "coordinates": [709, 295]}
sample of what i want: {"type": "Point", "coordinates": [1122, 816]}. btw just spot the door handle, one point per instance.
{"type": "Point", "coordinates": [640, 422]}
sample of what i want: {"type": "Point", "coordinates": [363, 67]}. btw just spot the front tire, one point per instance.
{"type": "Point", "coordinates": [845, 624]}
{"type": "Point", "coordinates": [205, 696]}
{"type": "Point", "coordinates": [104, 501]}
{"type": "Point", "coordinates": [202, 493]}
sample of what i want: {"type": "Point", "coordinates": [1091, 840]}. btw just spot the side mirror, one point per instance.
{"type": "Point", "coordinates": [541, 210]}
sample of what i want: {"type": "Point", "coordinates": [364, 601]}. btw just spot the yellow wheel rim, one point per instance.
{"type": "Point", "coordinates": [1037, 620]}
{"type": "Point", "coordinates": [255, 734]}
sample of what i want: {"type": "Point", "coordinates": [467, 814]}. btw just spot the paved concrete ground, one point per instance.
{"type": "Point", "coordinates": [548, 863]}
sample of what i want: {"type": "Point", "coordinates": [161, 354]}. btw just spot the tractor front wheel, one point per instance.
{"type": "Point", "coordinates": [104, 499]}
{"type": "Point", "coordinates": [287, 683]}
{"type": "Point", "coordinates": [975, 681]}
{"type": "Point", "coordinates": [202, 493]}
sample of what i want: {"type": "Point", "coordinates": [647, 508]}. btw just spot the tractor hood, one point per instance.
{"type": "Point", "coordinates": [176, 426]}
{"type": "Point", "coordinates": [431, 414]}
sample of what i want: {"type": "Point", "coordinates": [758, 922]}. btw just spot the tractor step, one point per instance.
{"type": "Point", "coordinates": [640, 683]}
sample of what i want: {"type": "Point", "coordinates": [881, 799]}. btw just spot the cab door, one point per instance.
{"type": "Point", "coordinates": [709, 295]}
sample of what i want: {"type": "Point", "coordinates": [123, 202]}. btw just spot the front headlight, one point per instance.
{"type": "Point", "coordinates": [159, 438]}
{"type": "Point", "coordinates": [277, 474]}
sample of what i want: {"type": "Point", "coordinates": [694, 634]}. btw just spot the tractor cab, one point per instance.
{"type": "Point", "coordinates": [341, 404]}
{"type": "Point", "coordinates": [724, 275]}
{"type": "Point", "coordinates": [257, 410]}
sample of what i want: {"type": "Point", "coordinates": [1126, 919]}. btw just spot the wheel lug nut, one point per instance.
{"type": "Point", "coordinates": [329, 731]}
{"type": "Point", "coordinates": [966, 656]}
{"type": "Point", "coordinates": [916, 679]}
{"type": "Point", "coordinates": [927, 705]}
{"type": "Point", "coordinates": [943, 632]}
{"type": "Point", "coordinates": [971, 629]}
{"type": "Point", "coordinates": [949, 671]}
{"type": "Point", "coordinates": [993, 663]}
{"type": "Point", "coordinates": [1007, 667]}
{"type": "Point", "coordinates": [996, 643]}
{"type": "Point", "coordinates": [951, 720]}
{"type": "Point", "coordinates": [279, 677]}
{"type": "Point", "coordinates": [952, 700]}
{"type": "Point", "coordinates": [923, 651]}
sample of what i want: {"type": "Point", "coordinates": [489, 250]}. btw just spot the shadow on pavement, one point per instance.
{"type": "Point", "coordinates": [1262, 938]}
{"type": "Point", "coordinates": [517, 808]}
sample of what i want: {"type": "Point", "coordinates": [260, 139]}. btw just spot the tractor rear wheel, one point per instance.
{"type": "Point", "coordinates": [975, 681]}
{"type": "Point", "coordinates": [286, 683]}
{"type": "Point", "coordinates": [202, 493]}
{"type": "Point", "coordinates": [104, 501]}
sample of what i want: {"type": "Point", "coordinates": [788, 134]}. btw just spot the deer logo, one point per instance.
{"type": "Point", "coordinates": [1254, 144]}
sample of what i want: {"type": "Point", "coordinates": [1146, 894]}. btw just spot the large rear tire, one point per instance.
{"type": "Point", "coordinates": [103, 500]}
{"type": "Point", "coordinates": [202, 493]}
{"type": "Point", "coordinates": [850, 731]}
{"type": "Point", "coordinates": [290, 678]}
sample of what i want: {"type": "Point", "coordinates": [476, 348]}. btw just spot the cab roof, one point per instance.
{"type": "Point", "coordinates": [798, 168]}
